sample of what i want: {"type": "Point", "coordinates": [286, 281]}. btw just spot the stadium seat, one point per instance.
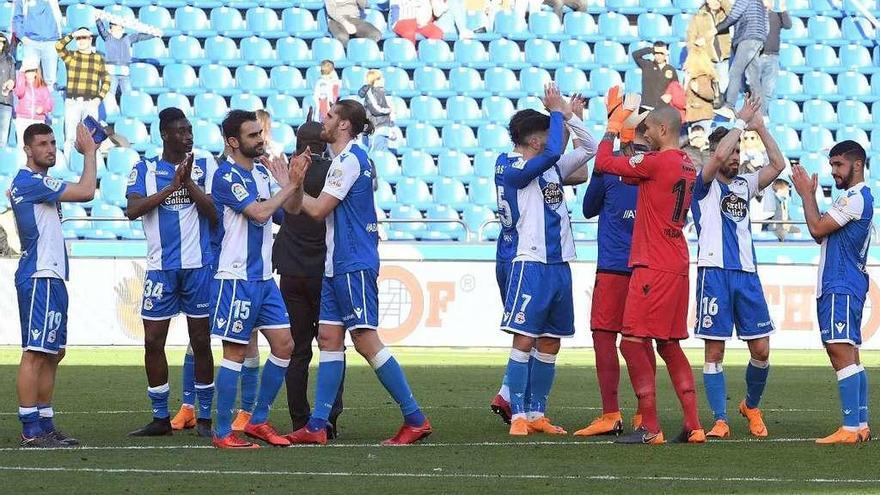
{"type": "Point", "coordinates": [430, 80]}
{"type": "Point", "coordinates": [603, 79]}
{"type": "Point", "coordinates": [294, 51]}
{"type": "Point", "coordinates": [788, 86]}
{"type": "Point", "coordinates": [542, 53]}
{"type": "Point", "coordinates": [576, 53]}
{"type": "Point", "coordinates": [532, 102]}
{"type": "Point", "coordinates": [533, 80]}
{"type": "Point", "coordinates": [857, 58]}
{"type": "Point", "coordinates": [386, 165]}
{"type": "Point", "coordinates": [10, 161]}
{"type": "Point", "coordinates": [159, 17]}
{"type": "Point", "coordinates": [822, 57]}
{"type": "Point", "coordinates": [397, 82]}
{"type": "Point", "coordinates": [246, 101]}
{"type": "Point", "coordinates": [817, 139]}
{"type": "Point", "coordinates": [328, 49]}
{"type": "Point", "coordinates": [222, 50]}
{"type": "Point", "coordinates": [507, 54]}
{"type": "Point", "coordinates": [655, 27]}
{"type": "Point", "coordinates": [460, 137]}
{"type": "Point", "coordinates": [475, 216]}
{"type": "Point", "coordinates": [384, 195]}
{"type": "Point", "coordinates": [186, 49]}
{"type": "Point", "coordinates": [813, 162]}
{"type": "Point", "coordinates": [176, 100]}
{"type": "Point", "coordinates": [791, 58]}
{"type": "Point", "coordinates": [625, 7]}
{"type": "Point", "coordinates": [820, 85]}
{"type": "Point", "coordinates": [819, 112]}
{"type": "Point", "coordinates": [680, 23]}
{"type": "Point", "coordinates": [288, 80]}
{"type": "Point", "coordinates": [364, 52]}
{"type": "Point", "coordinates": [399, 108]}
{"type": "Point", "coordinates": [406, 216]}
{"type": "Point", "coordinates": [854, 85]}
{"type": "Point", "coordinates": [512, 26]}
{"type": "Point", "coordinates": [571, 80]}
{"type": "Point", "coordinates": [423, 137]}
{"type": "Point", "coordinates": [632, 80]}
{"type": "Point", "coordinates": [414, 193]}
{"type": "Point", "coordinates": [825, 30]}
{"type": "Point", "coordinates": [283, 135]}
{"type": "Point", "coordinates": [797, 34]}
{"type": "Point", "coordinates": [855, 134]}
{"type": "Point", "coordinates": [463, 110]}
{"type": "Point", "coordinates": [194, 22]}
{"type": "Point", "coordinates": [497, 109]}
{"type": "Point", "coordinates": [353, 78]}
{"type": "Point", "coordinates": [471, 53]}
{"type": "Point", "coordinates": [450, 192]}
{"type": "Point", "coordinates": [207, 136]}
{"type": "Point", "coordinates": [545, 25]}
{"type": "Point", "coordinates": [258, 51]}
{"type": "Point", "coordinates": [785, 112]}
{"type": "Point", "coordinates": [146, 78]}
{"type": "Point", "coordinates": [113, 190]}
{"type": "Point", "coordinates": [6, 11]}
{"type": "Point", "coordinates": [484, 164]}
{"type": "Point", "coordinates": [210, 106]}
{"type": "Point", "coordinates": [253, 79]}
{"type": "Point", "coordinates": [800, 8]}
{"type": "Point", "coordinates": [494, 137]}
{"type": "Point", "coordinates": [610, 54]}
{"type": "Point", "coordinates": [264, 22]}
{"type": "Point", "coordinates": [301, 22]}
{"type": "Point", "coordinates": [153, 49]}
{"type": "Point", "coordinates": [596, 110]}
{"type": "Point", "coordinates": [482, 193]}
{"type": "Point", "coordinates": [466, 81]}
{"type": "Point", "coordinates": [426, 109]}
{"type": "Point", "coordinates": [227, 22]}
{"type": "Point", "coordinates": [451, 230]}
{"type": "Point", "coordinates": [436, 53]}
{"type": "Point", "coordinates": [615, 26]}
{"type": "Point", "coordinates": [377, 18]}
{"type": "Point", "coordinates": [135, 131]}
{"type": "Point", "coordinates": [858, 30]}
{"type": "Point", "coordinates": [455, 164]}
{"type": "Point", "coordinates": [400, 53]}
{"type": "Point", "coordinates": [137, 105]}
{"type": "Point", "coordinates": [788, 140]}
{"type": "Point", "coordinates": [581, 26]}
{"type": "Point", "coordinates": [120, 160]}
{"type": "Point", "coordinates": [285, 109]}
{"type": "Point", "coordinates": [75, 164]}
{"type": "Point", "coordinates": [419, 164]}
{"type": "Point", "coordinates": [217, 78]}
{"type": "Point", "coordinates": [80, 15]}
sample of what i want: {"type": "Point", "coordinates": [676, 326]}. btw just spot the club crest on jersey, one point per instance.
{"type": "Point", "coordinates": [148, 304]}
{"type": "Point", "coordinates": [237, 326]}
{"type": "Point", "coordinates": [553, 195]}
{"type": "Point", "coordinates": [636, 159]}
{"type": "Point", "coordinates": [734, 207]}
{"type": "Point", "coordinates": [707, 321]}
{"type": "Point", "coordinates": [520, 318]}
{"type": "Point", "coordinates": [132, 177]}
{"type": "Point", "coordinates": [51, 183]}
{"type": "Point", "coordinates": [50, 337]}
{"type": "Point", "coordinates": [239, 191]}
{"type": "Point", "coordinates": [197, 172]}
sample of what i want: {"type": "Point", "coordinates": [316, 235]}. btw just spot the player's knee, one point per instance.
{"type": "Point", "coordinates": [548, 346]}
{"type": "Point", "coordinates": [714, 355]}
{"type": "Point", "coordinates": [154, 343]}
{"type": "Point", "coordinates": [760, 351]}
{"type": "Point", "coordinates": [366, 342]}
{"type": "Point", "coordinates": [328, 341]}
{"type": "Point", "coordinates": [283, 348]}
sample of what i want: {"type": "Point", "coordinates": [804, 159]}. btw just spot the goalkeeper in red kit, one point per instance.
{"type": "Point", "coordinates": [657, 299]}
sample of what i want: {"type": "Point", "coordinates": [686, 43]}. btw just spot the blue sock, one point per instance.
{"type": "Point", "coordinates": [527, 399]}
{"type": "Point", "coordinates": [205, 393]}
{"type": "Point", "coordinates": [541, 376]}
{"type": "Point", "coordinates": [46, 417]}
{"type": "Point", "coordinates": [159, 398]}
{"type": "Point", "coordinates": [756, 380]}
{"type": "Point", "coordinates": [331, 366]}
{"type": "Point", "coordinates": [863, 396]}
{"type": "Point", "coordinates": [716, 389]}
{"type": "Point", "coordinates": [189, 379]}
{"type": "Point", "coordinates": [391, 375]}
{"type": "Point", "coordinates": [517, 380]}
{"type": "Point", "coordinates": [227, 388]}
{"type": "Point", "coordinates": [848, 384]}
{"type": "Point", "coordinates": [250, 378]}
{"type": "Point", "coordinates": [30, 421]}
{"type": "Point", "coordinates": [274, 372]}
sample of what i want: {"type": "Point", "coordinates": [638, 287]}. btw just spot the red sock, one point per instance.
{"type": "Point", "coordinates": [683, 381]}
{"type": "Point", "coordinates": [652, 356]}
{"type": "Point", "coordinates": [607, 368]}
{"type": "Point", "coordinates": [638, 364]}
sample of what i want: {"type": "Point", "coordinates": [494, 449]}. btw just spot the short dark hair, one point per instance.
{"type": "Point", "coordinates": [308, 134]}
{"type": "Point", "coordinates": [34, 130]}
{"type": "Point", "coordinates": [717, 135]}
{"type": "Point", "coordinates": [660, 44]}
{"type": "Point", "coordinates": [168, 116]}
{"type": "Point", "coordinates": [850, 150]}
{"type": "Point", "coordinates": [234, 120]}
{"type": "Point", "coordinates": [525, 123]}
{"type": "Point", "coordinates": [355, 113]}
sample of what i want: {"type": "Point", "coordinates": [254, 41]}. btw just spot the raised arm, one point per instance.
{"type": "Point", "coordinates": [294, 172]}
{"type": "Point", "coordinates": [84, 190]}
{"type": "Point", "coordinates": [520, 175]}
{"type": "Point", "coordinates": [61, 45]}
{"type": "Point", "coordinates": [778, 162]}
{"type": "Point", "coordinates": [748, 113]}
{"type": "Point", "coordinates": [639, 57]}
{"type": "Point", "coordinates": [102, 29]}
{"type": "Point", "coordinates": [736, 11]}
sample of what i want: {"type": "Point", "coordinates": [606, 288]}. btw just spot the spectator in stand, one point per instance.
{"type": "Point", "coordinates": [326, 89]}
{"type": "Point", "coordinates": [34, 100]}
{"type": "Point", "coordinates": [7, 83]}
{"type": "Point", "coordinates": [769, 59]}
{"type": "Point", "coordinates": [378, 111]}
{"type": "Point", "coordinates": [412, 17]}
{"type": "Point", "coordinates": [117, 47]}
{"type": "Point", "coordinates": [749, 20]}
{"type": "Point", "coordinates": [701, 88]}
{"type": "Point", "coordinates": [525, 7]}
{"type": "Point", "coordinates": [656, 73]}
{"type": "Point", "coordinates": [88, 82]}
{"type": "Point", "coordinates": [675, 97]}
{"type": "Point", "coordinates": [701, 34]}
{"type": "Point", "coordinates": [37, 24]}
{"type": "Point", "coordinates": [345, 20]}
{"type": "Point", "coordinates": [460, 11]}
{"type": "Point", "coordinates": [271, 149]}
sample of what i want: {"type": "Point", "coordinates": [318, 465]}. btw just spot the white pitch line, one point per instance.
{"type": "Point", "coordinates": [437, 475]}
{"type": "Point", "coordinates": [418, 445]}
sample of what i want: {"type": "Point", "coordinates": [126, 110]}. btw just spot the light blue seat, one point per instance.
{"type": "Point", "coordinates": [222, 50]}
{"type": "Point", "coordinates": [145, 77]}
{"type": "Point", "coordinates": [419, 164]}
{"type": "Point", "coordinates": [817, 139]}
{"type": "Point", "coordinates": [854, 85]}
{"type": "Point", "coordinates": [602, 79]}
{"type": "Point", "coordinates": [284, 135]}
{"type": "Point", "coordinates": [820, 85]}
{"type": "Point", "coordinates": [137, 105]}
{"type": "Point", "coordinates": [450, 192]}
{"type": "Point", "coordinates": [467, 81]}
{"type": "Point", "coordinates": [506, 53]}
{"type": "Point", "coordinates": [186, 49]}
{"type": "Point", "coordinates": [377, 19]}
{"type": "Point", "coordinates": [471, 53]}
{"type": "Point", "coordinates": [800, 8]}
{"type": "Point", "coordinates": [497, 109]}
{"type": "Point", "coordinates": [484, 164]}
{"type": "Point", "coordinates": [655, 27]}
{"type": "Point", "coordinates": [533, 80]}
{"type": "Point", "coordinates": [159, 17]}
{"type": "Point", "coordinates": [194, 22]}
{"type": "Point", "coordinates": [482, 193]}
{"type": "Point", "coordinates": [858, 30]}
{"type": "Point", "coordinates": [210, 106]}
{"type": "Point", "coordinates": [135, 131]}
{"type": "Point", "coordinates": [364, 52]}
{"type": "Point", "coordinates": [822, 57]}
{"type": "Point", "coordinates": [546, 25]}
{"type": "Point", "coordinates": [596, 110]}
{"type": "Point", "coordinates": [626, 7]}
{"type": "Point", "coordinates": [301, 22]}
{"type": "Point", "coordinates": [455, 164]}
{"type": "Point", "coordinates": [853, 133]}
{"type": "Point", "coordinates": [353, 78]}
{"type": "Point", "coordinates": [397, 82]}
{"type": "Point", "coordinates": [253, 79]}
{"type": "Point", "coordinates": [258, 51]}
{"type": "Point", "coordinates": [228, 22]}
{"type": "Point", "coordinates": [576, 53]}
{"type": "Point", "coordinates": [412, 226]}
{"type": "Point", "coordinates": [571, 80]}
{"type": "Point", "coordinates": [511, 25]}
{"type": "Point", "coordinates": [153, 48]}
{"type": "Point", "coordinates": [788, 86]}
{"type": "Point", "coordinates": [532, 102]}
{"type": "Point", "coordinates": [6, 10]}
{"type": "Point", "coordinates": [427, 109]}
{"type": "Point", "coordinates": [542, 53]}
{"type": "Point", "coordinates": [825, 30]}
{"type": "Point", "coordinates": [264, 22]}
{"type": "Point", "coordinates": [494, 137]}
{"type": "Point", "coordinates": [797, 34]}
{"type": "Point", "coordinates": [413, 193]}
{"type": "Point", "coordinates": [788, 140]}
{"type": "Point", "coordinates": [113, 189]}
{"type": "Point", "coordinates": [610, 54]}
{"type": "Point", "coordinates": [632, 80]}
{"type": "Point", "coordinates": [246, 101]}
{"type": "Point", "coordinates": [71, 229]}
{"type": "Point", "coordinates": [814, 163]}
{"type": "Point", "coordinates": [436, 53]}
{"type": "Point", "coordinates": [447, 231]}
{"type": "Point", "coordinates": [207, 135]}
{"type": "Point", "coordinates": [79, 15]}
{"type": "Point", "coordinates": [475, 216]}
{"type": "Point", "coordinates": [120, 160]}
{"type": "Point", "coordinates": [175, 100]}
{"type": "Point", "coordinates": [819, 112]}
{"type": "Point", "coordinates": [217, 78]}
{"type": "Point", "coordinates": [680, 23]}
{"type": "Point", "coordinates": [688, 5]}
{"type": "Point", "coordinates": [854, 113]}
{"type": "Point", "coordinates": [288, 80]}
{"type": "Point", "coordinates": [328, 49]}
{"type": "Point", "coordinates": [857, 58]}
{"type": "Point", "coordinates": [785, 112]}
{"type": "Point", "coordinates": [400, 53]}
{"type": "Point", "coordinates": [384, 195]}
{"type": "Point", "coordinates": [294, 51]}
{"type": "Point", "coordinates": [386, 165]}
{"type": "Point", "coordinates": [615, 26]}
{"type": "Point", "coordinates": [10, 161]}
{"type": "Point", "coordinates": [459, 137]}
{"type": "Point", "coordinates": [791, 57]}
{"type": "Point", "coordinates": [284, 108]}
{"type": "Point", "coordinates": [423, 137]}
{"type": "Point", "coordinates": [581, 26]}
{"type": "Point", "coordinates": [75, 164]}
{"type": "Point", "coordinates": [463, 110]}
{"type": "Point", "coordinates": [431, 80]}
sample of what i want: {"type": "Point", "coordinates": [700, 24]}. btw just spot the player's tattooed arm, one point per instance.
{"type": "Point", "coordinates": [203, 202]}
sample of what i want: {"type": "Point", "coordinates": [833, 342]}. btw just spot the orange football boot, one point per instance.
{"type": "Point", "coordinates": [519, 427]}
{"type": "Point", "coordinates": [410, 434]}
{"type": "Point", "coordinates": [304, 436]}
{"type": "Point", "coordinates": [637, 421]}
{"type": "Point", "coordinates": [241, 420]}
{"type": "Point", "coordinates": [755, 418]}
{"type": "Point", "coordinates": [184, 419]}
{"type": "Point", "coordinates": [606, 424]}
{"type": "Point", "coordinates": [720, 430]}
{"type": "Point", "coordinates": [840, 436]}
{"type": "Point", "coordinates": [266, 433]}
{"type": "Point", "coordinates": [232, 441]}
{"type": "Point", "coordinates": [864, 434]}
{"type": "Point", "coordinates": [543, 425]}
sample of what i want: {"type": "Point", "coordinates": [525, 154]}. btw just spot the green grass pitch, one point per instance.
{"type": "Point", "coordinates": [100, 396]}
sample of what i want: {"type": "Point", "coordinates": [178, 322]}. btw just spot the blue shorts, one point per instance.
{"type": "Point", "coordinates": [242, 307]}
{"type": "Point", "coordinates": [351, 300]}
{"type": "Point", "coordinates": [170, 292]}
{"type": "Point", "coordinates": [42, 309]}
{"type": "Point", "coordinates": [539, 303]}
{"type": "Point", "coordinates": [840, 318]}
{"type": "Point", "coordinates": [502, 276]}
{"type": "Point", "coordinates": [728, 298]}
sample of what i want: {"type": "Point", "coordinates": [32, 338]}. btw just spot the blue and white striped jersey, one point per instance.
{"type": "Point", "coordinates": [178, 237]}
{"type": "Point", "coordinates": [352, 228]}
{"type": "Point", "coordinates": [724, 229]}
{"type": "Point", "coordinates": [845, 252]}
{"type": "Point", "coordinates": [244, 246]}
{"type": "Point", "coordinates": [37, 213]}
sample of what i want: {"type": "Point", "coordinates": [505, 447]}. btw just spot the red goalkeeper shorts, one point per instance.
{"type": "Point", "coordinates": [657, 305]}
{"type": "Point", "coordinates": [609, 301]}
